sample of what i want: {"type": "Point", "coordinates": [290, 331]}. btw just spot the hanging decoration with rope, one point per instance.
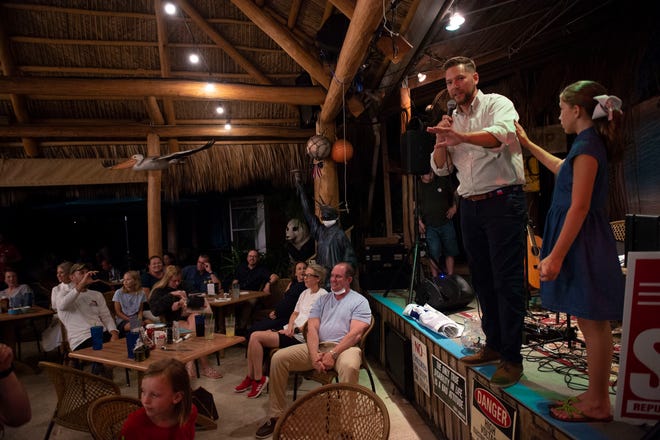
{"type": "Point", "coordinates": [318, 148]}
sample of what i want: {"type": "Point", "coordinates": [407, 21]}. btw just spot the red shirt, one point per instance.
{"type": "Point", "coordinates": [138, 426]}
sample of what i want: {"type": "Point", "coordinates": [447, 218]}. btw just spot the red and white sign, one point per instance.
{"type": "Point", "coordinates": [638, 384]}
{"type": "Point", "coordinates": [491, 418]}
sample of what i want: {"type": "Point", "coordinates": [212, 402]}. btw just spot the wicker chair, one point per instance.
{"type": "Point", "coordinates": [328, 376]}
{"type": "Point", "coordinates": [619, 230]}
{"type": "Point", "coordinates": [335, 411]}
{"type": "Point", "coordinates": [75, 390]}
{"type": "Point", "coordinates": [107, 415]}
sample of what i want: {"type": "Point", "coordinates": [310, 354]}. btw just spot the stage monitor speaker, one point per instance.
{"type": "Point", "coordinates": [642, 233]}
{"type": "Point", "coordinates": [416, 148]}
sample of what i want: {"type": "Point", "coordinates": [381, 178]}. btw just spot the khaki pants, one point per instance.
{"type": "Point", "coordinates": [296, 358]}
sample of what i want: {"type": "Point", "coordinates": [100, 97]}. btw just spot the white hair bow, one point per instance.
{"type": "Point", "coordinates": [606, 105]}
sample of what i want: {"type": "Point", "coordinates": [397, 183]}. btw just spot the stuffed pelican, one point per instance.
{"type": "Point", "coordinates": [150, 163]}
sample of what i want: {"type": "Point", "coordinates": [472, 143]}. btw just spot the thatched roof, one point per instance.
{"type": "Point", "coordinates": [89, 79]}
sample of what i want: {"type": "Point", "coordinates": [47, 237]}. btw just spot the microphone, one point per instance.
{"type": "Point", "coordinates": [451, 106]}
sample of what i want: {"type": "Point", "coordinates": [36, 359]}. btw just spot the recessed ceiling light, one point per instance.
{"type": "Point", "coordinates": [455, 21]}
{"type": "Point", "coordinates": [170, 8]}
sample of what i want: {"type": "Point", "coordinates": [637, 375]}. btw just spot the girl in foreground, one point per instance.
{"type": "Point", "coordinates": [579, 268]}
{"type": "Point", "coordinates": [167, 410]}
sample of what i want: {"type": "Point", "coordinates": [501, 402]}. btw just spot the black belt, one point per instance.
{"type": "Point", "coordinates": [495, 193]}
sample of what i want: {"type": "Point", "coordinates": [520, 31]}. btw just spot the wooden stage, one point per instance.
{"type": "Point", "coordinates": [448, 404]}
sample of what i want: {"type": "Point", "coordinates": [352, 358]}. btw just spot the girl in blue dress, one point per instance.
{"type": "Point", "coordinates": [579, 268]}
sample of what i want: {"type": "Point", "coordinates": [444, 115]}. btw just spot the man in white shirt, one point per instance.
{"type": "Point", "coordinates": [80, 308]}
{"type": "Point", "coordinates": [479, 139]}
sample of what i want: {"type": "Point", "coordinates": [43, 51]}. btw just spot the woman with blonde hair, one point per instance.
{"type": "Point", "coordinates": [129, 303]}
{"type": "Point", "coordinates": [290, 334]}
{"type": "Point", "coordinates": [169, 302]}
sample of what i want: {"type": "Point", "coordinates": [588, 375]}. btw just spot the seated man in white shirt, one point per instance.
{"type": "Point", "coordinates": [80, 308]}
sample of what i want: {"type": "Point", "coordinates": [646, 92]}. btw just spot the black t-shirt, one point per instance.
{"type": "Point", "coordinates": [252, 279]}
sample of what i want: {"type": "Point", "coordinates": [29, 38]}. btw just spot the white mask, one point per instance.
{"type": "Point", "coordinates": [328, 223]}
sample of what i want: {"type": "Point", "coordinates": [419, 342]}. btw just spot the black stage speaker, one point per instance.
{"type": "Point", "coordinates": [642, 233]}
{"type": "Point", "coordinates": [416, 147]}
{"type": "Point", "coordinates": [444, 293]}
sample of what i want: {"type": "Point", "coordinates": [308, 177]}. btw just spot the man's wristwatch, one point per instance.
{"type": "Point", "coordinates": [333, 354]}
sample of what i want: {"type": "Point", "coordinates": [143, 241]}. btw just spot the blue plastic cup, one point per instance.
{"type": "Point", "coordinates": [97, 337]}
{"type": "Point", "coordinates": [131, 339]}
{"type": "Point", "coordinates": [199, 325]}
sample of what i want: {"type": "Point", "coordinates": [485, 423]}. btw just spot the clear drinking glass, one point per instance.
{"type": "Point", "coordinates": [209, 326]}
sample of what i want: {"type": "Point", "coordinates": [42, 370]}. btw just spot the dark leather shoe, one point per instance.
{"type": "Point", "coordinates": [267, 428]}
{"type": "Point", "coordinates": [482, 357]}
{"type": "Point", "coordinates": [507, 374]}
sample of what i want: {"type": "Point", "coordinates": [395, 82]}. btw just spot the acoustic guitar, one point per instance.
{"type": "Point", "coordinates": [533, 257]}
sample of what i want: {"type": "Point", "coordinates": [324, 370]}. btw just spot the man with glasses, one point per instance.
{"type": "Point", "coordinates": [197, 276]}
{"type": "Point", "coordinates": [334, 328]}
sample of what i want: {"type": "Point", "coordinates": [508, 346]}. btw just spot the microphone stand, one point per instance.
{"type": "Point", "coordinates": [414, 250]}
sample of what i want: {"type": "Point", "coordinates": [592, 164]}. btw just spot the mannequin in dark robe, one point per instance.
{"type": "Point", "coordinates": [332, 244]}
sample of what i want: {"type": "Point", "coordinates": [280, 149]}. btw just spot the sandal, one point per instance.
{"type": "Point", "coordinates": [211, 373]}
{"type": "Point", "coordinates": [562, 404]}
{"type": "Point", "coordinates": [569, 413]}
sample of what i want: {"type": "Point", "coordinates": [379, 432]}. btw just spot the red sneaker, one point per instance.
{"type": "Point", "coordinates": [243, 386]}
{"type": "Point", "coordinates": [258, 387]}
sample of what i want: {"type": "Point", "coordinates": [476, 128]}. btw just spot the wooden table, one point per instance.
{"type": "Point", "coordinates": [218, 303]}
{"type": "Point", "coordinates": [9, 322]}
{"type": "Point", "coordinates": [115, 353]}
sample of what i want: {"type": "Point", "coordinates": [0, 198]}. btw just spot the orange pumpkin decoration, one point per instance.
{"type": "Point", "coordinates": [342, 151]}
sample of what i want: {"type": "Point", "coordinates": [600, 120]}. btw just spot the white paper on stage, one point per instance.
{"type": "Point", "coordinates": [434, 320]}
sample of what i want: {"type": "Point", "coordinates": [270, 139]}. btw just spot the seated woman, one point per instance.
{"type": "Point", "coordinates": [63, 277]}
{"type": "Point", "coordinates": [283, 309]}
{"type": "Point", "coordinates": [129, 302]}
{"type": "Point", "coordinates": [167, 409]}
{"type": "Point", "coordinates": [289, 335]}
{"type": "Point", "coordinates": [19, 295]}
{"type": "Point", "coordinates": [168, 302]}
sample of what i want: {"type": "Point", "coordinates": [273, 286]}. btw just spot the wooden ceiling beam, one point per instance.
{"type": "Point", "coordinates": [222, 43]}
{"type": "Point", "coordinates": [18, 104]}
{"type": "Point", "coordinates": [346, 7]}
{"type": "Point", "coordinates": [165, 72]}
{"type": "Point", "coordinates": [282, 36]}
{"type": "Point", "coordinates": [140, 131]}
{"type": "Point", "coordinates": [76, 88]}
{"type": "Point", "coordinates": [358, 38]}
{"type": "Point", "coordinates": [213, 76]}
{"type": "Point", "coordinates": [128, 43]}
{"type": "Point", "coordinates": [293, 13]}
{"type": "Point", "coordinates": [153, 110]}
